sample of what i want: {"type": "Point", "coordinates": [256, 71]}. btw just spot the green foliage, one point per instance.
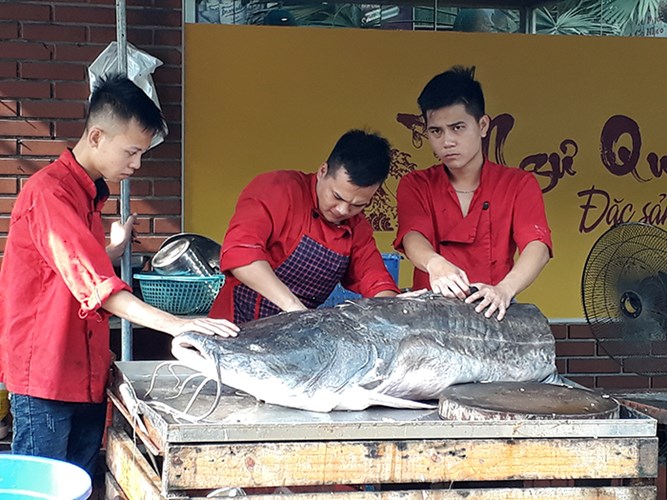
{"type": "Point", "coordinates": [621, 12]}
{"type": "Point", "coordinates": [582, 17]}
{"type": "Point", "coordinates": [332, 15]}
{"type": "Point", "coordinates": [594, 17]}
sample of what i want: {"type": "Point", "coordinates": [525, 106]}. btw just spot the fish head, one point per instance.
{"type": "Point", "coordinates": [198, 351]}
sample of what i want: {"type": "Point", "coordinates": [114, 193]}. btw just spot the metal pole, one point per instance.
{"type": "Point", "coordinates": [126, 260]}
{"type": "Point", "coordinates": [527, 22]}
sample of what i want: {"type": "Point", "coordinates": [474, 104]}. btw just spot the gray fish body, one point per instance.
{"type": "Point", "coordinates": [385, 351]}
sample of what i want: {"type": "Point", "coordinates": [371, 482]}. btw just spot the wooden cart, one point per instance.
{"type": "Point", "coordinates": [652, 402]}
{"type": "Point", "coordinates": [383, 453]}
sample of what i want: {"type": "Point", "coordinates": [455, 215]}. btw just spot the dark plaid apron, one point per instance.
{"type": "Point", "coordinates": [311, 272]}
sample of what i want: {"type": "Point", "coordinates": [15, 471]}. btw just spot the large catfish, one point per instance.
{"type": "Point", "coordinates": [397, 352]}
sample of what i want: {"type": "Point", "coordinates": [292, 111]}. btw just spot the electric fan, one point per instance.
{"type": "Point", "coordinates": [624, 294]}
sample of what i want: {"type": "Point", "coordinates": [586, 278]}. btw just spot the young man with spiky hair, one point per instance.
{"type": "Point", "coordinates": [58, 286]}
{"type": "Point", "coordinates": [461, 222]}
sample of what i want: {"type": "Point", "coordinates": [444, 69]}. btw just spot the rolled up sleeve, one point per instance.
{"type": "Point", "coordinates": [414, 214]}
{"type": "Point", "coordinates": [529, 218]}
{"type": "Point", "coordinates": [251, 225]}
{"type": "Point", "coordinates": [71, 249]}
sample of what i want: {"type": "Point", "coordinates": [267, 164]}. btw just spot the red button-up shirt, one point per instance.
{"type": "Point", "coordinates": [273, 213]}
{"type": "Point", "coordinates": [54, 337]}
{"type": "Point", "coordinates": [505, 214]}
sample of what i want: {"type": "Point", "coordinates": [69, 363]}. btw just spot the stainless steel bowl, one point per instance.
{"type": "Point", "coordinates": [206, 247]}
{"type": "Point", "coordinates": [180, 257]}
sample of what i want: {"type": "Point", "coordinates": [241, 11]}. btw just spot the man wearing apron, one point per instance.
{"type": "Point", "coordinates": [294, 235]}
{"type": "Point", "coordinates": [461, 221]}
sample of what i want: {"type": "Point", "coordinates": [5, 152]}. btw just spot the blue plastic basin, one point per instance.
{"type": "Point", "coordinates": [340, 294]}
{"type": "Point", "coordinates": [23, 478]}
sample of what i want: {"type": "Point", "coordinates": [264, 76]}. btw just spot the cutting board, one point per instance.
{"type": "Point", "coordinates": [528, 401]}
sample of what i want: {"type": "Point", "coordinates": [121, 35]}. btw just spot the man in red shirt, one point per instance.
{"type": "Point", "coordinates": [461, 222]}
{"type": "Point", "coordinates": [58, 286]}
{"type": "Point", "coordinates": [294, 236]}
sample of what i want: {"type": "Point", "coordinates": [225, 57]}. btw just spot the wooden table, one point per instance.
{"type": "Point", "coordinates": [378, 453]}
{"type": "Point", "coordinates": [652, 402]}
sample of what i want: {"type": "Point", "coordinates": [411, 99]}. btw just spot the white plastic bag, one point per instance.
{"type": "Point", "coordinates": [140, 66]}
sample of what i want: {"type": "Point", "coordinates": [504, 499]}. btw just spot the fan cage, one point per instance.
{"type": "Point", "coordinates": [624, 293]}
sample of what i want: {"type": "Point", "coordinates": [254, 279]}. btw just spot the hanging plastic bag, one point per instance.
{"type": "Point", "coordinates": [140, 66]}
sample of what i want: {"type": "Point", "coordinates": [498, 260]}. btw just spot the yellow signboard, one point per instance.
{"type": "Point", "coordinates": [585, 114]}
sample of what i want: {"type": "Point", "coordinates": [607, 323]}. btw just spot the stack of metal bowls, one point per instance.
{"type": "Point", "coordinates": [187, 253]}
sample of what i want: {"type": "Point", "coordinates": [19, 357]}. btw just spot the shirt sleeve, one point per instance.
{"type": "Point", "coordinates": [71, 249]}
{"type": "Point", "coordinates": [367, 273]}
{"type": "Point", "coordinates": [252, 224]}
{"type": "Point", "coordinates": [414, 212]}
{"type": "Point", "coordinates": [530, 219]}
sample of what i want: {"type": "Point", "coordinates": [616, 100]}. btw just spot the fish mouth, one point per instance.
{"type": "Point", "coordinates": [188, 352]}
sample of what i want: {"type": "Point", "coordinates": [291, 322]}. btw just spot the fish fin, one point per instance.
{"type": "Point", "coordinates": [554, 378]}
{"type": "Point", "coordinates": [361, 399]}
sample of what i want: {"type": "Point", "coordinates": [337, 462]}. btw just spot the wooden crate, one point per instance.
{"type": "Point", "coordinates": [376, 454]}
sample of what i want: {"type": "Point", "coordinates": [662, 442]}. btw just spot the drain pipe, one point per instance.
{"type": "Point", "coordinates": [126, 259]}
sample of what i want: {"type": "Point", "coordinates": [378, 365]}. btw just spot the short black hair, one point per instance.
{"type": "Point", "coordinates": [118, 96]}
{"type": "Point", "coordinates": [365, 156]}
{"type": "Point", "coordinates": [457, 85]}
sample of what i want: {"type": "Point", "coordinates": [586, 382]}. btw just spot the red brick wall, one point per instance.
{"type": "Point", "coordinates": [633, 366]}
{"type": "Point", "coordinates": [45, 49]}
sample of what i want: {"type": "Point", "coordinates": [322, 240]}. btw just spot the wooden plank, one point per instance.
{"type": "Point", "coordinates": [136, 423]}
{"type": "Point", "coordinates": [599, 493]}
{"type": "Point", "coordinates": [130, 469]}
{"type": "Point", "coordinates": [373, 462]}
{"type": "Point", "coordinates": [588, 493]}
{"type": "Point", "coordinates": [112, 490]}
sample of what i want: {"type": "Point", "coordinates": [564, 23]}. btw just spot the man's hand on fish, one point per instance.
{"type": "Point", "coordinates": [491, 299]}
{"type": "Point", "coordinates": [410, 294]}
{"type": "Point", "coordinates": [260, 276]}
{"type": "Point", "coordinates": [208, 326]}
{"type": "Point", "coordinates": [447, 279]}
{"type": "Point", "coordinates": [295, 305]}
{"type": "Point", "coordinates": [127, 306]}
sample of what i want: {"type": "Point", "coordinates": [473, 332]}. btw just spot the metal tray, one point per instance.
{"type": "Point", "coordinates": [239, 417]}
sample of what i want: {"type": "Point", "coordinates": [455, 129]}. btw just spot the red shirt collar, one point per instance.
{"type": "Point", "coordinates": [484, 174]}
{"type": "Point", "coordinates": [97, 190]}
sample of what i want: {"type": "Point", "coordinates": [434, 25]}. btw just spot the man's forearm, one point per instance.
{"type": "Point", "coordinates": [126, 306]}
{"type": "Point", "coordinates": [260, 277]}
{"type": "Point", "coordinates": [418, 249]}
{"type": "Point", "coordinates": [527, 268]}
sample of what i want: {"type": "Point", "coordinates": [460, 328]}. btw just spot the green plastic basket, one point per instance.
{"type": "Point", "coordinates": [181, 294]}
